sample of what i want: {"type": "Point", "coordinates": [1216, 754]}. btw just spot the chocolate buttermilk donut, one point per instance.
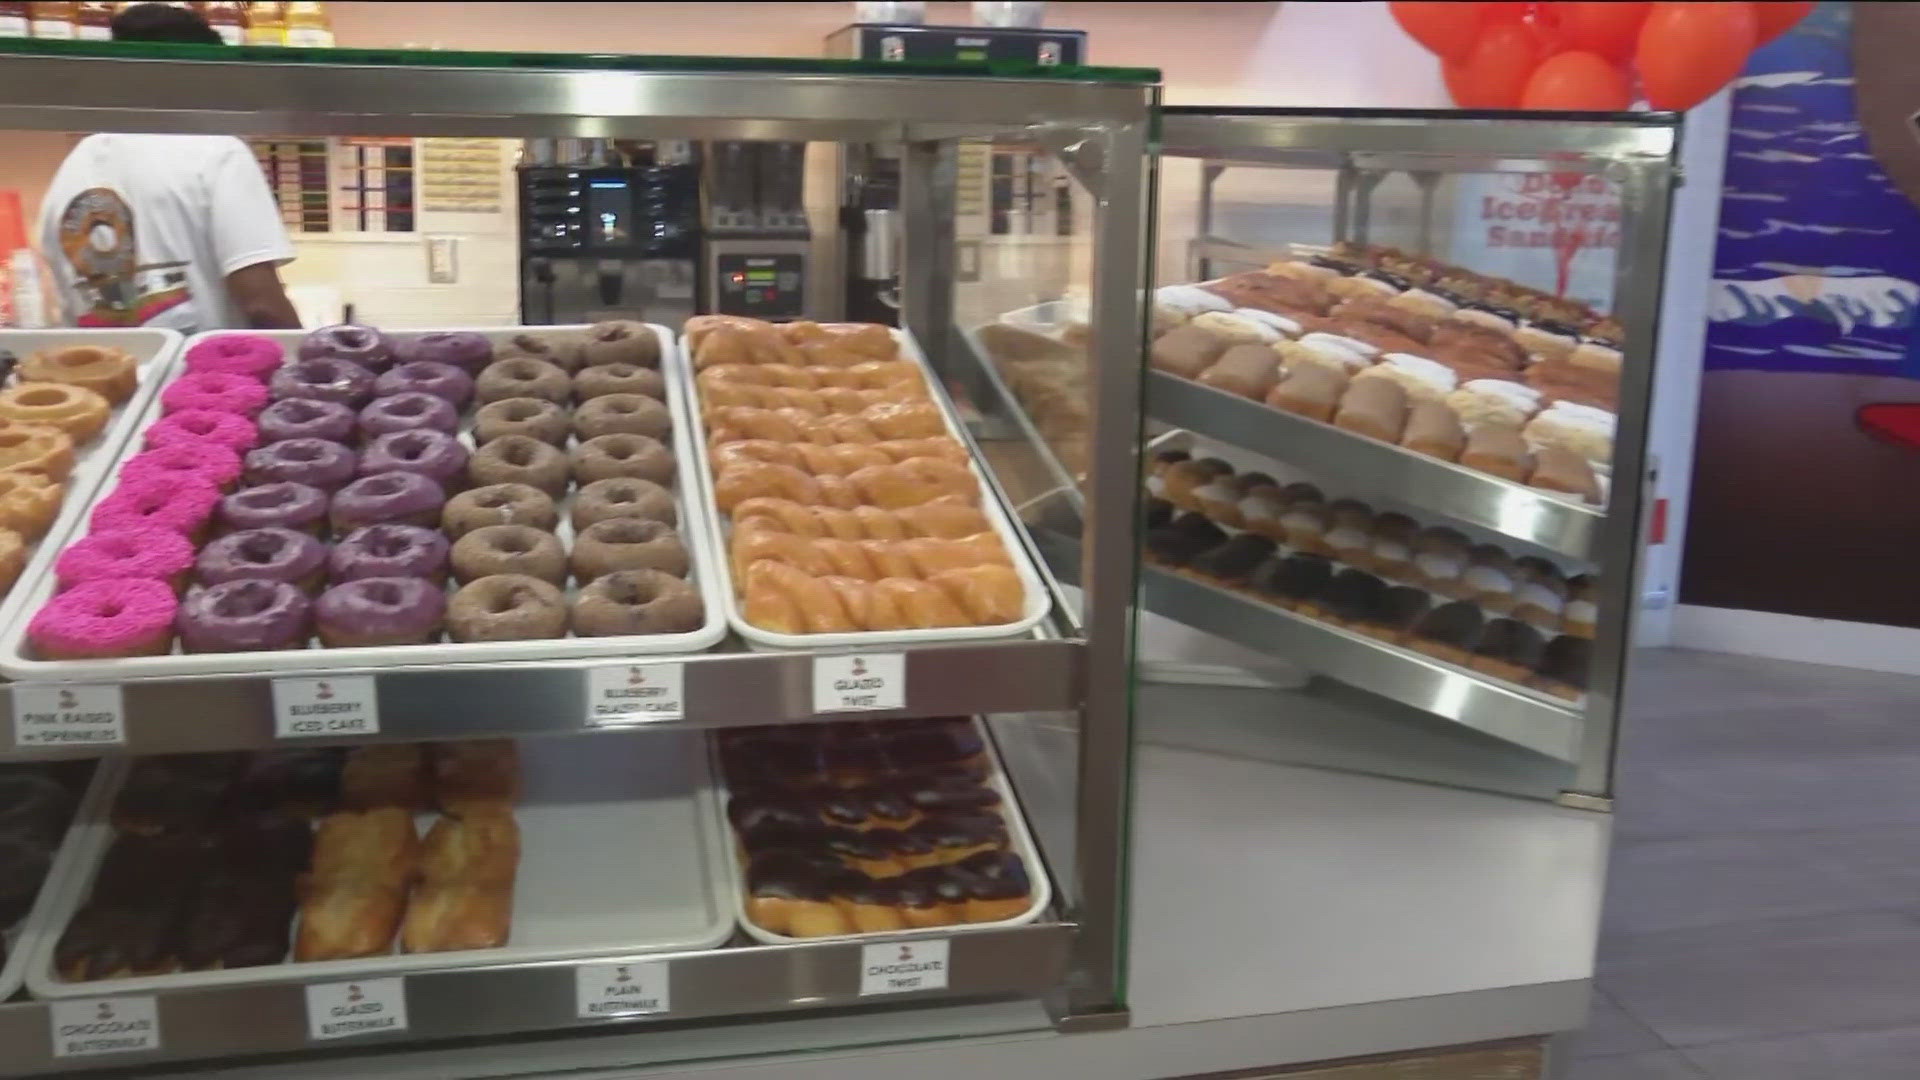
{"type": "Point", "coordinates": [623, 496]}
{"type": "Point", "coordinates": [522, 376]}
{"type": "Point", "coordinates": [498, 504]}
{"type": "Point", "coordinates": [637, 602]}
{"type": "Point", "coordinates": [520, 459]}
{"type": "Point", "coordinates": [621, 341]}
{"type": "Point", "coordinates": [607, 456]}
{"type": "Point", "coordinates": [625, 414]}
{"type": "Point", "coordinates": [564, 351]}
{"type": "Point", "coordinates": [506, 607]}
{"type": "Point", "coordinates": [621, 378]}
{"type": "Point", "coordinates": [535, 418]}
{"type": "Point", "coordinates": [605, 547]}
{"type": "Point", "coordinates": [509, 549]}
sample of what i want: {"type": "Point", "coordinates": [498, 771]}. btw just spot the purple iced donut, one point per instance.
{"type": "Point", "coordinates": [306, 418]}
{"type": "Point", "coordinates": [273, 554]}
{"type": "Point", "coordinates": [144, 551]}
{"type": "Point", "coordinates": [362, 345]}
{"type": "Point", "coordinates": [324, 379]}
{"type": "Point", "coordinates": [314, 462]}
{"type": "Point", "coordinates": [381, 611]}
{"type": "Point", "coordinates": [433, 454]}
{"type": "Point", "coordinates": [463, 349]}
{"type": "Point", "coordinates": [244, 615]}
{"type": "Point", "coordinates": [285, 505]}
{"type": "Point", "coordinates": [407, 411]}
{"type": "Point", "coordinates": [249, 355]}
{"type": "Point", "coordinates": [389, 551]}
{"type": "Point", "coordinates": [231, 430]}
{"type": "Point", "coordinates": [402, 498]}
{"type": "Point", "coordinates": [183, 506]}
{"type": "Point", "coordinates": [427, 377]}
{"type": "Point", "coordinates": [215, 390]}
{"type": "Point", "coordinates": [168, 464]}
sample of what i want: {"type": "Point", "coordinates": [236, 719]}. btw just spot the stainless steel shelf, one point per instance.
{"type": "Point", "coordinates": [996, 401]}
{"type": "Point", "coordinates": [231, 1022]}
{"type": "Point", "coordinates": [1363, 464]}
{"type": "Point", "coordinates": [1410, 678]}
{"type": "Point", "coordinates": [552, 698]}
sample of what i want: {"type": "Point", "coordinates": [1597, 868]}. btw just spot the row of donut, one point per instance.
{"type": "Point", "coordinates": [324, 456]}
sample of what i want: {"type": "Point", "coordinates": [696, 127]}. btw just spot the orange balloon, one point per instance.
{"type": "Point", "coordinates": [1771, 19]}
{"type": "Point", "coordinates": [1609, 29]}
{"type": "Point", "coordinates": [1577, 82]}
{"type": "Point", "coordinates": [1688, 51]}
{"type": "Point", "coordinates": [1495, 73]}
{"type": "Point", "coordinates": [1448, 30]}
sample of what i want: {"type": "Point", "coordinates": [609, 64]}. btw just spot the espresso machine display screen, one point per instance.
{"type": "Point", "coordinates": [610, 212]}
{"type": "Point", "coordinates": [763, 286]}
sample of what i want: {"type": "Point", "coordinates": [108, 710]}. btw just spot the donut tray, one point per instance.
{"type": "Point", "coordinates": [155, 351]}
{"type": "Point", "coordinates": [707, 576]}
{"type": "Point", "coordinates": [24, 940]}
{"type": "Point", "coordinates": [621, 851]}
{"type": "Point", "coordinates": [680, 373]}
{"type": "Point", "coordinates": [1019, 837]}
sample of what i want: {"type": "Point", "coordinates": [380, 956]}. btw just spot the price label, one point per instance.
{"type": "Point", "coordinates": [315, 708]}
{"type": "Point", "coordinates": [87, 1026]}
{"type": "Point", "coordinates": [68, 716]}
{"type": "Point", "coordinates": [368, 1007]}
{"type": "Point", "coordinates": [902, 967]}
{"type": "Point", "coordinates": [635, 693]}
{"type": "Point", "coordinates": [861, 683]}
{"type": "Point", "coordinates": [621, 989]}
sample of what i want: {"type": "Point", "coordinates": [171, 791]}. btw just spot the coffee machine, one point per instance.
{"type": "Point", "coordinates": [759, 247]}
{"type": "Point", "coordinates": [611, 241]}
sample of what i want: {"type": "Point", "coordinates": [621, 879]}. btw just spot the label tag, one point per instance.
{"type": "Point", "coordinates": [368, 1007]}
{"type": "Point", "coordinates": [622, 989]}
{"type": "Point", "coordinates": [901, 967]}
{"type": "Point", "coordinates": [860, 683]}
{"type": "Point", "coordinates": [87, 1026]}
{"type": "Point", "coordinates": [635, 693]}
{"type": "Point", "coordinates": [68, 716]}
{"type": "Point", "coordinates": [310, 708]}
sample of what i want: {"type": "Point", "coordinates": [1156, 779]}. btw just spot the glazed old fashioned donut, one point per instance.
{"type": "Point", "coordinates": [217, 390]}
{"type": "Point", "coordinates": [622, 341]}
{"type": "Point", "coordinates": [28, 502]}
{"type": "Point", "coordinates": [35, 448]}
{"type": "Point", "coordinates": [618, 378]}
{"type": "Point", "coordinates": [637, 602]}
{"type": "Point", "coordinates": [623, 496]}
{"type": "Point", "coordinates": [106, 618]}
{"type": "Point", "coordinates": [433, 454]}
{"type": "Point", "coordinates": [245, 615]}
{"type": "Point", "coordinates": [13, 559]}
{"type": "Point", "coordinates": [445, 381]}
{"type": "Point", "coordinates": [306, 418]}
{"type": "Point", "coordinates": [498, 504]}
{"type": "Point", "coordinates": [380, 611]}
{"type": "Point", "coordinates": [608, 456]}
{"type": "Point", "coordinates": [409, 410]}
{"type": "Point", "coordinates": [533, 417]}
{"type": "Point", "coordinates": [509, 549]}
{"type": "Point", "coordinates": [271, 554]}
{"type": "Point", "coordinates": [313, 462]}
{"type": "Point", "coordinates": [507, 607]}
{"type": "Point", "coordinates": [403, 498]}
{"type": "Point", "coordinates": [79, 412]}
{"type": "Point", "coordinates": [230, 430]}
{"type": "Point", "coordinates": [147, 552]}
{"type": "Point", "coordinates": [622, 414]}
{"type": "Point", "coordinates": [324, 379]}
{"type": "Point", "coordinates": [111, 373]}
{"type": "Point", "coordinates": [362, 345]}
{"type": "Point", "coordinates": [520, 459]}
{"type": "Point", "coordinates": [250, 355]}
{"type": "Point", "coordinates": [523, 376]}
{"type": "Point", "coordinates": [389, 551]}
{"type": "Point", "coordinates": [283, 504]}
{"type": "Point", "coordinates": [627, 544]}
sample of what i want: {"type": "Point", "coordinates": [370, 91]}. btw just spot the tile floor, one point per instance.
{"type": "Point", "coordinates": [1763, 907]}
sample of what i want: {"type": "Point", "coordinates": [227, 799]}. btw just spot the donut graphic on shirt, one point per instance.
{"type": "Point", "coordinates": [97, 238]}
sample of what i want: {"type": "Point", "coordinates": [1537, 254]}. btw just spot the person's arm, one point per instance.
{"type": "Point", "coordinates": [249, 242]}
{"type": "Point", "coordinates": [260, 299]}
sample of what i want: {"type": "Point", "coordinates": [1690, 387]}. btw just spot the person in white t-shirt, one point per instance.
{"type": "Point", "coordinates": [175, 231]}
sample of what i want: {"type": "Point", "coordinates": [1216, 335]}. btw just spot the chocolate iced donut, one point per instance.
{"type": "Point", "coordinates": [362, 345]}
{"type": "Point", "coordinates": [621, 341]}
{"type": "Point", "coordinates": [498, 504]}
{"type": "Point", "coordinates": [409, 410]}
{"type": "Point", "coordinates": [403, 498]}
{"type": "Point", "coordinates": [637, 602]}
{"type": "Point", "coordinates": [564, 351]}
{"type": "Point", "coordinates": [284, 504]}
{"type": "Point", "coordinates": [506, 607]}
{"type": "Point", "coordinates": [463, 349]}
{"type": "Point", "coordinates": [380, 611]}
{"type": "Point", "coordinates": [627, 544]}
{"type": "Point", "coordinates": [523, 376]}
{"type": "Point", "coordinates": [444, 381]}
{"type": "Point", "coordinates": [623, 496]}
{"type": "Point", "coordinates": [435, 455]}
{"type": "Point", "coordinates": [323, 380]}
{"type": "Point", "coordinates": [533, 417]}
{"type": "Point", "coordinates": [520, 459]}
{"type": "Point", "coordinates": [244, 615]}
{"type": "Point", "coordinates": [622, 455]}
{"type": "Point", "coordinates": [621, 378]}
{"type": "Point", "coordinates": [389, 551]}
{"type": "Point", "coordinates": [509, 549]}
{"type": "Point", "coordinates": [622, 414]}
{"type": "Point", "coordinates": [271, 554]}
{"type": "Point", "coordinates": [313, 462]}
{"type": "Point", "coordinates": [306, 418]}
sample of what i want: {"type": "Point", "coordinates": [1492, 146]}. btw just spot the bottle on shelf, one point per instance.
{"type": "Point", "coordinates": [16, 20]}
{"type": "Point", "coordinates": [266, 24]}
{"type": "Point", "coordinates": [227, 20]}
{"type": "Point", "coordinates": [308, 26]}
{"type": "Point", "coordinates": [54, 20]}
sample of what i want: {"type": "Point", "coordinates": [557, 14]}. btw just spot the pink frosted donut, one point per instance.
{"type": "Point", "coordinates": [106, 617]}
{"type": "Point", "coordinates": [184, 460]}
{"type": "Point", "coordinates": [248, 355]}
{"type": "Point", "coordinates": [182, 505]}
{"type": "Point", "coordinates": [216, 390]}
{"type": "Point", "coordinates": [231, 430]}
{"type": "Point", "coordinates": [146, 551]}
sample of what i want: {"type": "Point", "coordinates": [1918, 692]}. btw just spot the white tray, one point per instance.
{"type": "Point", "coordinates": [1037, 602]}
{"type": "Point", "coordinates": [1019, 836]}
{"type": "Point", "coordinates": [24, 942]}
{"type": "Point", "coordinates": [693, 529]}
{"type": "Point", "coordinates": [621, 851]}
{"type": "Point", "coordinates": [155, 350]}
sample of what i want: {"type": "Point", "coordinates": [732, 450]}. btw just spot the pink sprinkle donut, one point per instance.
{"type": "Point", "coordinates": [181, 505]}
{"type": "Point", "coordinates": [170, 464]}
{"type": "Point", "coordinates": [216, 390]}
{"type": "Point", "coordinates": [231, 430]}
{"type": "Point", "coordinates": [248, 355]}
{"type": "Point", "coordinates": [146, 551]}
{"type": "Point", "coordinates": [106, 617]}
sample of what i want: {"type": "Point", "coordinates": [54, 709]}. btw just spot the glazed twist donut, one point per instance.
{"type": "Point", "coordinates": [825, 401]}
{"type": "Point", "coordinates": [838, 459]}
{"type": "Point", "coordinates": [900, 376]}
{"type": "Point", "coordinates": [786, 599]}
{"type": "Point", "coordinates": [866, 560]}
{"type": "Point", "coordinates": [892, 486]}
{"type": "Point", "coordinates": [944, 520]}
{"type": "Point", "coordinates": [895, 420]}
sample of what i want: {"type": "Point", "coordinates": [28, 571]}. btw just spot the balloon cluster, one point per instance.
{"type": "Point", "coordinates": [1585, 56]}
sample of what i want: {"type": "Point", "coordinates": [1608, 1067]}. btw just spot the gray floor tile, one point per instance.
{"type": "Point", "coordinates": [1746, 793]}
{"type": "Point", "coordinates": [1846, 1055]}
{"type": "Point", "coordinates": [1610, 1030]}
{"type": "Point", "coordinates": [1657, 1065]}
{"type": "Point", "coordinates": [1661, 885]}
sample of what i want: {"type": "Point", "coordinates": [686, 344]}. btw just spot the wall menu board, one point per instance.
{"type": "Point", "coordinates": [461, 176]}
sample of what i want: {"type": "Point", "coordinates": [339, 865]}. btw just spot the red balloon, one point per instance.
{"type": "Point", "coordinates": [1688, 51]}
{"type": "Point", "coordinates": [1609, 29]}
{"type": "Point", "coordinates": [1496, 71]}
{"type": "Point", "coordinates": [1503, 11]}
{"type": "Point", "coordinates": [1448, 30]}
{"type": "Point", "coordinates": [1771, 19]}
{"type": "Point", "coordinates": [1577, 82]}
